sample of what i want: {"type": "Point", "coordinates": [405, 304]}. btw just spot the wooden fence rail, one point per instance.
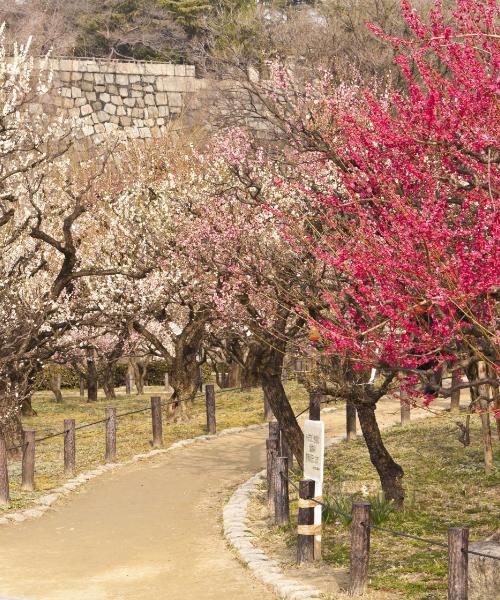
{"type": "Point", "coordinates": [27, 447]}
{"type": "Point", "coordinates": [361, 525]}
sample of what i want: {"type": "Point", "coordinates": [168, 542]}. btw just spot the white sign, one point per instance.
{"type": "Point", "coordinates": [314, 450]}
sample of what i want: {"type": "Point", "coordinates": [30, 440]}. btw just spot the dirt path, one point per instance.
{"type": "Point", "coordinates": [147, 531]}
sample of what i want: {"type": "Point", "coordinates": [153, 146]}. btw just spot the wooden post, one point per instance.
{"type": "Point", "coordinates": [405, 407]}
{"type": "Point", "coordinates": [4, 473]}
{"type": "Point", "coordinates": [350, 419]}
{"type": "Point", "coordinates": [281, 504]}
{"type": "Point", "coordinates": [360, 548]}
{"type": "Point", "coordinates": [286, 450]}
{"type": "Point", "coordinates": [82, 387]}
{"type": "Point", "coordinates": [456, 379]}
{"type": "Point", "coordinates": [305, 522]}
{"type": "Point", "coordinates": [272, 452]}
{"type": "Point", "coordinates": [210, 402]}
{"type": "Point", "coordinates": [156, 421]}
{"type": "Point", "coordinates": [165, 381]}
{"type": "Point", "coordinates": [458, 560]}
{"type": "Point", "coordinates": [110, 434]}
{"type": "Point", "coordinates": [128, 384]}
{"type": "Point", "coordinates": [314, 406]}
{"type": "Point", "coordinates": [274, 431]}
{"type": "Point", "coordinates": [69, 447]}
{"type": "Point", "coordinates": [28, 465]}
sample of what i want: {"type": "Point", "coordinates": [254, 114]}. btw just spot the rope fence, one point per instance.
{"type": "Point", "coordinates": [308, 532]}
{"type": "Point", "coordinates": [110, 420]}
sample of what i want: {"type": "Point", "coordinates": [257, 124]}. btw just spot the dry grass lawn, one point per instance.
{"type": "Point", "coordinates": [233, 409]}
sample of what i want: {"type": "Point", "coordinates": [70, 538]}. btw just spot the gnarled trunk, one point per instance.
{"type": "Point", "coordinates": [92, 380]}
{"type": "Point", "coordinates": [270, 366]}
{"type": "Point", "coordinates": [250, 376]}
{"type": "Point", "coordinates": [12, 394]}
{"type": "Point", "coordinates": [140, 368]}
{"type": "Point", "coordinates": [108, 380]}
{"type": "Point", "coordinates": [10, 424]}
{"type": "Point", "coordinates": [390, 473]}
{"type": "Point", "coordinates": [277, 398]}
{"type": "Point", "coordinates": [234, 375]}
{"type": "Point", "coordinates": [55, 386]}
{"type": "Point", "coordinates": [184, 378]}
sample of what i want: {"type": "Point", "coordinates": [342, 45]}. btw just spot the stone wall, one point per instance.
{"type": "Point", "coordinates": [133, 99]}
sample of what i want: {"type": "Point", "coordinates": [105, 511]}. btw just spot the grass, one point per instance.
{"type": "Point", "coordinates": [233, 409]}
{"type": "Point", "coordinates": [446, 486]}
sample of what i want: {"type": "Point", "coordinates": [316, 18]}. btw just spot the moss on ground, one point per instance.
{"type": "Point", "coordinates": [233, 409]}
{"type": "Point", "coordinates": [446, 486]}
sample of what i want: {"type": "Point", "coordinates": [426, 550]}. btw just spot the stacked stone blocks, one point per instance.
{"type": "Point", "coordinates": [132, 99]}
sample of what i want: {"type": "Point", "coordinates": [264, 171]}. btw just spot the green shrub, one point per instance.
{"type": "Point", "coordinates": [338, 509]}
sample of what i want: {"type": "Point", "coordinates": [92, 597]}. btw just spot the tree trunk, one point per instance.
{"type": "Point", "coordinates": [185, 381]}
{"type": "Point", "coordinates": [140, 369]}
{"type": "Point", "coordinates": [108, 381]}
{"type": "Point", "coordinates": [250, 376]}
{"type": "Point", "coordinates": [277, 398]}
{"type": "Point", "coordinates": [390, 473]}
{"type": "Point", "coordinates": [55, 386]}
{"type": "Point", "coordinates": [496, 400]}
{"type": "Point", "coordinates": [109, 390]}
{"type": "Point", "coordinates": [10, 425]}
{"type": "Point", "coordinates": [27, 409]}
{"type": "Point", "coordinates": [234, 377]}
{"type": "Point", "coordinates": [483, 400]}
{"type": "Point", "coordinates": [92, 380]}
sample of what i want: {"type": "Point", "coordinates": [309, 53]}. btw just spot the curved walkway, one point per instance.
{"type": "Point", "coordinates": [147, 531]}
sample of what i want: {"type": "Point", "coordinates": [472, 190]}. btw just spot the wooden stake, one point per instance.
{"type": "Point", "coordinates": [314, 406]}
{"type": "Point", "coordinates": [305, 523]}
{"type": "Point", "coordinates": [4, 473]}
{"type": "Point", "coordinates": [156, 421]}
{"type": "Point", "coordinates": [350, 418]}
{"type": "Point", "coordinates": [69, 447]}
{"type": "Point", "coordinates": [458, 543]}
{"type": "Point", "coordinates": [28, 465]}
{"type": "Point", "coordinates": [210, 403]}
{"type": "Point", "coordinates": [281, 504]}
{"type": "Point", "coordinates": [274, 431]}
{"type": "Point", "coordinates": [110, 434]}
{"type": "Point", "coordinates": [82, 387]}
{"type": "Point", "coordinates": [286, 450]}
{"type": "Point", "coordinates": [360, 548]}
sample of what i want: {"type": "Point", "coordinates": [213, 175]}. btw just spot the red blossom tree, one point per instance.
{"type": "Point", "coordinates": [410, 222]}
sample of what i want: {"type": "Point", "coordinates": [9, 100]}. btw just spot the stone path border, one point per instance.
{"type": "Point", "coordinates": [238, 535]}
{"type": "Point", "coordinates": [44, 503]}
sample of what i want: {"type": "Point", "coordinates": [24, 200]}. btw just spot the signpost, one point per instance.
{"type": "Point", "coordinates": [314, 453]}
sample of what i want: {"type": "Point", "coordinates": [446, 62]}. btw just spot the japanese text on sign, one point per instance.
{"type": "Point", "coordinates": [314, 449]}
